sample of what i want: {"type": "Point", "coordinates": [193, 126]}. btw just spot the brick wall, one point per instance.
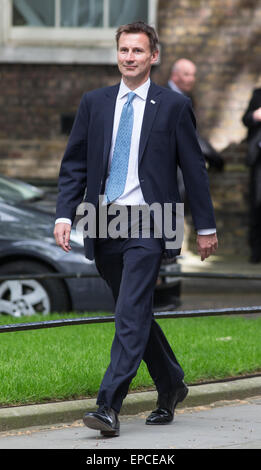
{"type": "Point", "coordinates": [33, 98]}
{"type": "Point", "coordinates": [223, 38]}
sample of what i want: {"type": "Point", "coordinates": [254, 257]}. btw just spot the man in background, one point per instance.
{"type": "Point", "coordinates": [182, 80]}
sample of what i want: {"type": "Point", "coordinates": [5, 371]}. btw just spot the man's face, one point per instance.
{"type": "Point", "coordinates": [185, 77]}
{"type": "Point", "coordinates": [135, 57]}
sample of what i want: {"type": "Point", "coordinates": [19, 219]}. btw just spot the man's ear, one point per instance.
{"type": "Point", "coordinates": [155, 57]}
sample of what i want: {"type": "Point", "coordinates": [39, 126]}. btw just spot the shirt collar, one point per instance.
{"type": "Point", "coordinates": [141, 91]}
{"type": "Point", "coordinates": [174, 87]}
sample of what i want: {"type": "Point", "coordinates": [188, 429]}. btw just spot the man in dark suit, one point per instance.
{"type": "Point", "coordinates": [152, 129]}
{"type": "Point", "coordinates": [182, 80]}
{"type": "Point", "coordinates": [252, 120]}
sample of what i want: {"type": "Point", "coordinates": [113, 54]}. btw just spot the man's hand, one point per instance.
{"type": "Point", "coordinates": [207, 245]}
{"type": "Point", "coordinates": [257, 114]}
{"type": "Point", "coordinates": [62, 236]}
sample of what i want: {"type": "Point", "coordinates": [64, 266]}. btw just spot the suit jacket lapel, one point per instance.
{"type": "Point", "coordinates": [108, 110]}
{"type": "Point", "coordinates": [151, 108]}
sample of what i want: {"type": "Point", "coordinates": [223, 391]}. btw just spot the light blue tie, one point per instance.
{"type": "Point", "coordinates": [120, 159]}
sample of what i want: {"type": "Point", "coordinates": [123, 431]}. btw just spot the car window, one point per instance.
{"type": "Point", "coordinates": [12, 190]}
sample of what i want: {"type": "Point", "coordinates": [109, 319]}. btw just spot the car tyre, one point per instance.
{"type": "Point", "coordinates": [28, 297]}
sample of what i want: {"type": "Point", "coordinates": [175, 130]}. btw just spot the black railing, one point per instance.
{"type": "Point", "coordinates": [47, 275]}
{"type": "Point", "coordinates": [111, 318]}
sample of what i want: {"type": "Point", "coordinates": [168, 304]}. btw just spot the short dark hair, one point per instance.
{"type": "Point", "coordinates": [139, 27]}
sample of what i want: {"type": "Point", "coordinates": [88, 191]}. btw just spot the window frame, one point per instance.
{"type": "Point", "coordinates": [60, 35]}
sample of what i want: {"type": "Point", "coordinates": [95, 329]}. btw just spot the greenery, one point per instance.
{"type": "Point", "coordinates": [69, 362]}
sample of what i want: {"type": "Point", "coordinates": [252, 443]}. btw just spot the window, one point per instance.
{"type": "Point", "coordinates": [66, 31]}
{"type": "Point", "coordinates": [33, 13]}
{"type": "Point", "coordinates": [79, 13]}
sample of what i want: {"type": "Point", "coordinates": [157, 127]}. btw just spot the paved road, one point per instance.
{"type": "Point", "coordinates": [223, 425]}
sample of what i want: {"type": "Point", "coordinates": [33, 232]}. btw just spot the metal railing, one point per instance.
{"type": "Point", "coordinates": [47, 275]}
{"type": "Point", "coordinates": [111, 318]}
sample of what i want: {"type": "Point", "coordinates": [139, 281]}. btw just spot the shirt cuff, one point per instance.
{"type": "Point", "coordinates": [63, 220]}
{"type": "Point", "coordinates": [206, 231]}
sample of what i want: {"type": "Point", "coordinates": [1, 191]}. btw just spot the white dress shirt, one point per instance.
{"type": "Point", "coordinates": [132, 194]}
{"type": "Point", "coordinates": [174, 87]}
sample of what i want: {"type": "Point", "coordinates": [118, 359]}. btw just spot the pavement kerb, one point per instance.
{"type": "Point", "coordinates": [68, 411]}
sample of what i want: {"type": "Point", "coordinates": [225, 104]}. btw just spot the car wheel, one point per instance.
{"type": "Point", "coordinates": [29, 297]}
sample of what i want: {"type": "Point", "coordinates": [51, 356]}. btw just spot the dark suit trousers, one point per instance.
{"type": "Point", "coordinates": [130, 267]}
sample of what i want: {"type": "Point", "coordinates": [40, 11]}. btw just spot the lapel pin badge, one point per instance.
{"type": "Point", "coordinates": [153, 102]}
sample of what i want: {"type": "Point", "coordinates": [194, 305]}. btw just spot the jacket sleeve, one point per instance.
{"type": "Point", "coordinates": [73, 170]}
{"type": "Point", "coordinates": [193, 166]}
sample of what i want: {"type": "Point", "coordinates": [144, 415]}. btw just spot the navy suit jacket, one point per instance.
{"type": "Point", "coordinates": [167, 138]}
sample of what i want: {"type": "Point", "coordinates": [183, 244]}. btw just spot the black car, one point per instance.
{"type": "Point", "coordinates": [27, 247]}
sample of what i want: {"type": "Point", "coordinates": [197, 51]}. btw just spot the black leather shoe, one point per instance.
{"type": "Point", "coordinates": [167, 403]}
{"type": "Point", "coordinates": [104, 419]}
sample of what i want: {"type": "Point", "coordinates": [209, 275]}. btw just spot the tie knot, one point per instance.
{"type": "Point", "coordinates": [131, 95]}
